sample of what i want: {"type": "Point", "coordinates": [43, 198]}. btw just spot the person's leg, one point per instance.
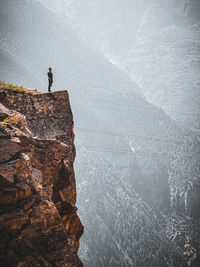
{"type": "Point", "coordinates": [49, 87]}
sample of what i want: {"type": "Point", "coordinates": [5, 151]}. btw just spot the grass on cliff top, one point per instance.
{"type": "Point", "coordinates": [15, 88]}
{"type": "Point", "coordinates": [12, 88]}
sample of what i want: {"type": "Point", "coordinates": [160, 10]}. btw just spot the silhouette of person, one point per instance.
{"type": "Point", "coordinates": [50, 79]}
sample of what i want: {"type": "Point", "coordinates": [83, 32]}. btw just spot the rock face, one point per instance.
{"type": "Point", "coordinates": [39, 225]}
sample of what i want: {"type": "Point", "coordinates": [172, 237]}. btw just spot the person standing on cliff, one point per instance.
{"type": "Point", "coordinates": [50, 79]}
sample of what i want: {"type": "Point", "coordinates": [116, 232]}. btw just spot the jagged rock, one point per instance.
{"type": "Point", "coordinates": [4, 112]}
{"type": "Point", "coordinates": [24, 169]}
{"type": "Point", "coordinates": [7, 173]}
{"type": "Point", "coordinates": [38, 218]}
{"type": "Point", "coordinates": [13, 220]}
{"type": "Point", "coordinates": [12, 147]}
{"type": "Point", "coordinates": [48, 115]}
{"type": "Point", "coordinates": [26, 205]}
{"type": "Point", "coordinates": [13, 194]}
{"type": "Point", "coordinates": [3, 133]}
{"type": "Point", "coordinates": [46, 192]}
{"type": "Point", "coordinates": [37, 176]}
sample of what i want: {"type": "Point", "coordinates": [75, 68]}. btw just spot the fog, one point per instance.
{"type": "Point", "coordinates": [131, 68]}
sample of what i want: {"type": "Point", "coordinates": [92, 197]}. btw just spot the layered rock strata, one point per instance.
{"type": "Point", "coordinates": [39, 225]}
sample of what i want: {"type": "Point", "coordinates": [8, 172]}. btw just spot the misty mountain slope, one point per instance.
{"type": "Point", "coordinates": [109, 213]}
{"type": "Point", "coordinates": [9, 66]}
{"type": "Point", "coordinates": [185, 182]}
{"type": "Point", "coordinates": [101, 93]}
{"type": "Point", "coordinates": [109, 114]}
{"type": "Point", "coordinates": [146, 134]}
{"type": "Point", "coordinates": [37, 39]}
{"type": "Point", "coordinates": [156, 42]}
{"type": "Point", "coordinates": [129, 231]}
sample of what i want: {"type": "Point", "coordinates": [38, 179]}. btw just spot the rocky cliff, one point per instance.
{"type": "Point", "coordinates": [39, 225]}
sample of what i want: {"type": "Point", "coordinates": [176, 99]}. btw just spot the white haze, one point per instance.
{"type": "Point", "coordinates": [132, 71]}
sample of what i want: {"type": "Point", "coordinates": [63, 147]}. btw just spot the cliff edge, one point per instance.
{"type": "Point", "coordinates": [39, 225]}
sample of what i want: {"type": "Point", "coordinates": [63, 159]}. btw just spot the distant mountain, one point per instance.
{"type": "Point", "coordinates": [156, 42]}
{"type": "Point", "coordinates": [103, 97]}
{"type": "Point", "coordinates": [38, 39]}
{"type": "Point", "coordinates": [126, 231]}
{"type": "Point", "coordinates": [120, 137]}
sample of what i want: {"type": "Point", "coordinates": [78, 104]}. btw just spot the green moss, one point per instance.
{"type": "Point", "coordinates": [35, 187]}
{"type": "Point", "coordinates": [12, 88]}
{"type": "Point", "coordinates": [8, 121]}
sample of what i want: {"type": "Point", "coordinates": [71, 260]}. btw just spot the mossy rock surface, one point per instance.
{"type": "Point", "coordinates": [12, 88]}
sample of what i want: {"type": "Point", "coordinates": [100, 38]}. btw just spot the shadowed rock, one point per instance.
{"type": "Point", "coordinates": [37, 181]}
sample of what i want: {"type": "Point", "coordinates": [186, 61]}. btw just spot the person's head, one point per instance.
{"type": "Point", "coordinates": [50, 69]}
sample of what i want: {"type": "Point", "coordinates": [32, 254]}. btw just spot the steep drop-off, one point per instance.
{"type": "Point", "coordinates": [39, 225]}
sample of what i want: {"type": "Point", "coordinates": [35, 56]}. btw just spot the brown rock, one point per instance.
{"type": "Point", "coordinates": [46, 192]}
{"type": "Point", "coordinates": [8, 195]}
{"type": "Point", "coordinates": [26, 205]}
{"type": "Point", "coordinates": [33, 261]}
{"type": "Point", "coordinates": [11, 195]}
{"type": "Point", "coordinates": [24, 191]}
{"type": "Point", "coordinates": [7, 173]}
{"type": "Point", "coordinates": [13, 220]}
{"type": "Point", "coordinates": [8, 149]}
{"type": "Point", "coordinates": [24, 169]}
{"type": "Point", "coordinates": [38, 217]}
{"type": "Point", "coordinates": [4, 112]}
